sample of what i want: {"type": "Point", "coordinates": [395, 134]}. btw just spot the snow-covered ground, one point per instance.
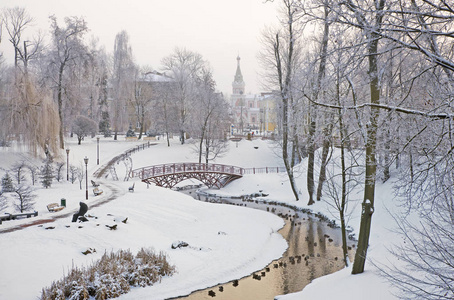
{"type": "Point", "coordinates": [226, 242]}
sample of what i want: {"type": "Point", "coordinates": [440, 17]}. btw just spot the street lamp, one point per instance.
{"type": "Point", "coordinates": [67, 164]}
{"type": "Point", "coordinates": [97, 161]}
{"type": "Point", "coordinates": [86, 177]}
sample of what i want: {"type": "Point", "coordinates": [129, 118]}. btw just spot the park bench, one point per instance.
{"type": "Point", "coordinates": [8, 216]}
{"type": "Point", "coordinates": [97, 191]}
{"type": "Point", "coordinates": [54, 207]}
{"type": "Point", "coordinates": [131, 188]}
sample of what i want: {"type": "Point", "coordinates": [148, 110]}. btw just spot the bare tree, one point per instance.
{"type": "Point", "coordinates": [210, 118]}
{"type": "Point", "coordinates": [74, 172]}
{"type": "Point", "coordinates": [16, 21]}
{"type": "Point", "coordinates": [165, 111]}
{"type": "Point", "coordinates": [83, 127]}
{"type": "Point", "coordinates": [66, 48]}
{"type": "Point", "coordinates": [281, 48]}
{"type": "Point", "coordinates": [142, 99]}
{"type": "Point", "coordinates": [80, 175]}
{"type": "Point", "coordinates": [18, 171]}
{"type": "Point", "coordinates": [24, 198]}
{"type": "Point", "coordinates": [426, 262]}
{"type": "Point", "coordinates": [184, 67]}
{"type": "Point", "coordinates": [59, 171]}
{"type": "Point", "coordinates": [34, 170]}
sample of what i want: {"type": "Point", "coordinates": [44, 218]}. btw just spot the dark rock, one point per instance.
{"type": "Point", "coordinates": [179, 244]}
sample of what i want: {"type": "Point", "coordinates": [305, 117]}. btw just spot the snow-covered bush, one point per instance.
{"type": "Point", "coordinates": [111, 276]}
{"type": "Point", "coordinates": [130, 132]}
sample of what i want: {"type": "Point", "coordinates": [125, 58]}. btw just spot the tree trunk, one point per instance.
{"type": "Point", "coordinates": [324, 161]}
{"type": "Point", "coordinates": [142, 122]}
{"type": "Point", "coordinates": [60, 106]}
{"type": "Point", "coordinates": [312, 126]}
{"type": "Point", "coordinates": [310, 162]}
{"type": "Point", "coordinates": [344, 189]}
{"type": "Point", "coordinates": [371, 164]}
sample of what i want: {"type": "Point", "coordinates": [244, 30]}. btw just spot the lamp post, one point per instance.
{"type": "Point", "coordinates": [67, 164]}
{"type": "Point", "coordinates": [97, 152]}
{"type": "Point", "coordinates": [86, 177]}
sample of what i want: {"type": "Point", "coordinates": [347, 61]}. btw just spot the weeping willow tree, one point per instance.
{"type": "Point", "coordinates": [30, 117]}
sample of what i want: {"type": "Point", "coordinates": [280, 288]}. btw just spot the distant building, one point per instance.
{"type": "Point", "coordinates": [251, 112]}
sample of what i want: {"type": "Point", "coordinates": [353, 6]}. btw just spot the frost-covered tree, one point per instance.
{"type": "Point", "coordinates": [67, 46]}
{"type": "Point", "coordinates": [24, 198]}
{"type": "Point", "coordinates": [16, 20]}
{"type": "Point", "coordinates": [82, 127]}
{"type": "Point", "coordinates": [80, 175]}
{"type": "Point", "coordinates": [210, 121]}
{"type": "Point", "coordinates": [7, 184]}
{"type": "Point", "coordinates": [59, 171]}
{"type": "Point", "coordinates": [122, 81]}
{"type": "Point", "coordinates": [142, 99]}
{"type": "Point", "coordinates": [47, 173]}
{"type": "Point", "coordinates": [3, 202]}
{"type": "Point", "coordinates": [280, 58]}
{"type": "Point", "coordinates": [18, 171]}
{"type": "Point", "coordinates": [33, 172]}
{"type": "Point", "coordinates": [184, 67]}
{"type": "Point", "coordinates": [425, 257]}
{"type": "Point", "coordinates": [73, 173]}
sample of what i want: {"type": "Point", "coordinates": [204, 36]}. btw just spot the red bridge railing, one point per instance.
{"type": "Point", "coordinates": [167, 169]}
{"type": "Point", "coordinates": [264, 170]}
{"type": "Point", "coordinates": [175, 168]}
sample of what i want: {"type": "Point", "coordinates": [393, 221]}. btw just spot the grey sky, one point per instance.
{"type": "Point", "coordinates": [217, 29]}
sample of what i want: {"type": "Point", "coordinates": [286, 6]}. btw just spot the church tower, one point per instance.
{"type": "Point", "coordinates": [238, 101]}
{"type": "Point", "coordinates": [238, 82]}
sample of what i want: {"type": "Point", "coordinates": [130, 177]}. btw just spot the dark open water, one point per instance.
{"type": "Point", "coordinates": [314, 250]}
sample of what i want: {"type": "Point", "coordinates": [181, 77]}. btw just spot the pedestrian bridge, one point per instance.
{"type": "Point", "coordinates": [212, 175]}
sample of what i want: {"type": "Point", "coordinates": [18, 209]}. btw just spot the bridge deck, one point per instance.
{"type": "Point", "coordinates": [213, 175]}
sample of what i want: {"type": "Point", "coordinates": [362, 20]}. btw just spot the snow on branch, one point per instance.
{"type": "Point", "coordinates": [434, 116]}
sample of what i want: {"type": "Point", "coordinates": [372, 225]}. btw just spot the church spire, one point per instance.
{"type": "Point", "coordinates": [238, 82]}
{"type": "Point", "coordinates": [238, 75]}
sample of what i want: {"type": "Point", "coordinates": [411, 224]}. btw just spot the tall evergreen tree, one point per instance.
{"type": "Point", "coordinates": [47, 174]}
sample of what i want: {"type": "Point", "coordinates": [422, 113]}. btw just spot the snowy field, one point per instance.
{"type": "Point", "coordinates": [226, 242]}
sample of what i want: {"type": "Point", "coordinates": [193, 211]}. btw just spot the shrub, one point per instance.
{"type": "Point", "coordinates": [111, 276]}
{"type": "Point", "coordinates": [7, 184]}
{"type": "Point", "coordinates": [130, 132]}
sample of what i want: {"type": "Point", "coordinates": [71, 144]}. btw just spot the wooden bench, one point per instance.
{"type": "Point", "coordinates": [97, 191]}
{"type": "Point", "coordinates": [95, 184]}
{"type": "Point", "coordinates": [131, 188]}
{"type": "Point", "coordinates": [54, 207]}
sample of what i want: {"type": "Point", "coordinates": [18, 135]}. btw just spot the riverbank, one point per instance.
{"type": "Point", "coordinates": [158, 217]}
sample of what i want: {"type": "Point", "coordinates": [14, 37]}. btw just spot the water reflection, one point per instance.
{"type": "Point", "coordinates": [314, 250]}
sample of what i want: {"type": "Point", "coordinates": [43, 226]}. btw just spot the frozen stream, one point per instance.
{"type": "Point", "coordinates": [314, 250]}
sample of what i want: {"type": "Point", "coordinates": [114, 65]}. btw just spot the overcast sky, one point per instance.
{"type": "Point", "coordinates": [217, 29]}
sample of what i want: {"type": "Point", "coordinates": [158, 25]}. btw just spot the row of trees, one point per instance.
{"type": "Point", "coordinates": [375, 76]}
{"type": "Point", "coordinates": [53, 83]}
{"type": "Point", "coordinates": [25, 175]}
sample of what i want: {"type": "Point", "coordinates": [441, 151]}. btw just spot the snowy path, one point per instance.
{"type": "Point", "coordinates": [111, 190]}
